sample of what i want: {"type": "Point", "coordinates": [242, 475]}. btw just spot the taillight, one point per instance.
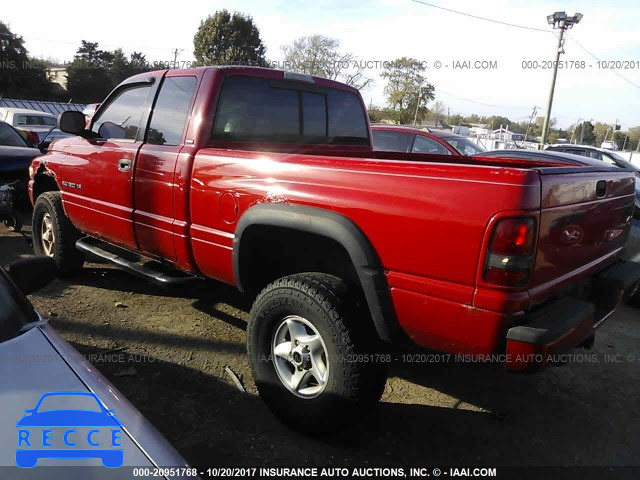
{"type": "Point", "coordinates": [510, 253]}
{"type": "Point", "coordinates": [32, 137]}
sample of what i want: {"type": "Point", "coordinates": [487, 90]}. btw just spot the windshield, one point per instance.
{"type": "Point", "coordinates": [464, 146]}
{"type": "Point", "coordinates": [9, 137]}
{"type": "Point", "coordinates": [15, 310]}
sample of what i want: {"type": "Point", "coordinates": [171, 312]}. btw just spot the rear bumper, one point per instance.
{"type": "Point", "coordinates": [569, 322]}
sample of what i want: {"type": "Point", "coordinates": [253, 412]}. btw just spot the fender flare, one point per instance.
{"type": "Point", "coordinates": [342, 230]}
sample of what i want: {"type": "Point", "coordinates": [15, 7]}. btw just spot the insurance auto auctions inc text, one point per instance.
{"type": "Point", "coordinates": [376, 472]}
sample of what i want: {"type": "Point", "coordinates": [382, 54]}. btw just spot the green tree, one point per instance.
{"type": "Point", "coordinates": [320, 56]}
{"type": "Point", "coordinates": [619, 137]}
{"type": "Point", "coordinates": [585, 131]}
{"type": "Point", "coordinates": [20, 75]}
{"type": "Point", "coordinates": [473, 118]}
{"type": "Point", "coordinates": [226, 39]}
{"type": "Point", "coordinates": [407, 90]}
{"type": "Point", "coordinates": [602, 131]}
{"type": "Point", "coordinates": [495, 121]}
{"type": "Point", "coordinates": [95, 72]}
{"type": "Point", "coordinates": [634, 138]}
{"type": "Point", "coordinates": [457, 119]}
{"type": "Point", "coordinates": [88, 78]}
{"type": "Point", "coordinates": [122, 67]}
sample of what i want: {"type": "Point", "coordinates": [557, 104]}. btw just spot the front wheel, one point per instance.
{"type": "Point", "coordinates": [314, 357]}
{"type": "Point", "coordinates": [53, 234]}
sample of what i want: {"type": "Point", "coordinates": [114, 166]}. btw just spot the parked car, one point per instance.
{"type": "Point", "coordinates": [274, 187]}
{"type": "Point", "coordinates": [59, 389]}
{"type": "Point", "coordinates": [15, 159]}
{"type": "Point", "coordinates": [391, 138]}
{"type": "Point", "coordinates": [40, 125]}
{"type": "Point", "coordinates": [602, 154]}
{"type": "Point", "coordinates": [632, 251]}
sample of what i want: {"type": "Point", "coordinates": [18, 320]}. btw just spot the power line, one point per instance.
{"type": "Point", "coordinates": [523, 27]}
{"type": "Point", "coordinates": [511, 107]}
{"type": "Point", "coordinates": [615, 72]}
{"type": "Point", "coordinates": [477, 17]}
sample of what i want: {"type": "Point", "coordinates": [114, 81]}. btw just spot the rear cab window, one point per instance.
{"type": "Point", "coordinates": [259, 110]}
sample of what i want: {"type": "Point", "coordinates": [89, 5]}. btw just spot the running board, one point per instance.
{"type": "Point", "coordinates": [134, 262]}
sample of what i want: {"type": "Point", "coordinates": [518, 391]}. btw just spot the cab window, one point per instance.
{"type": "Point", "coordinates": [120, 119]}
{"type": "Point", "coordinates": [171, 111]}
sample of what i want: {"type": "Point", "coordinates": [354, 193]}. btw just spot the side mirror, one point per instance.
{"type": "Point", "coordinates": [71, 122]}
{"type": "Point", "coordinates": [44, 146]}
{"type": "Point", "coordinates": [33, 273]}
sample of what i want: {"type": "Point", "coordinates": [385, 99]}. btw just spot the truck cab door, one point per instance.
{"type": "Point", "coordinates": [98, 177]}
{"type": "Point", "coordinates": [159, 223]}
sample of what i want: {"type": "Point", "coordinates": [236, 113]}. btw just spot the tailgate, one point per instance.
{"type": "Point", "coordinates": [584, 223]}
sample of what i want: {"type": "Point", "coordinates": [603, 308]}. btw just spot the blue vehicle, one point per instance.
{"type": "Point", "coordinates": [39, 422]}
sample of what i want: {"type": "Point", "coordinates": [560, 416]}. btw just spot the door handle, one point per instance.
{"type": "Point", "coordinates": [124, 165]}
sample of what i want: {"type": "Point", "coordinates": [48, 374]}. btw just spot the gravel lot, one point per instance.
{"type": "Point", "coordinates": [166, 350]}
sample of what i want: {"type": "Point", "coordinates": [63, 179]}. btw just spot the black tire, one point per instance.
{"type": "Point", "coordinates": [357, 365]}
{"type": "Point", "coordinates": [634, 299]}
{"type": "Point", "coordinates": [62, 249]}
{"type": "Point", "coordinates": [14, 223]}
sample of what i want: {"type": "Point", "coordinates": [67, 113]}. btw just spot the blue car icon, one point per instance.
{"type": "Point", "coordinates": [36, 430]}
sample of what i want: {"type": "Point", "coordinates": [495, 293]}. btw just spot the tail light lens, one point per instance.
{"type": "Point", "coordinates": [32, 137]}
{"type": "Point", "coordinates": [510, 254]}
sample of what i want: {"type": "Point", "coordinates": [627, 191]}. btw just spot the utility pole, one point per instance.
{"type": "Point", "coordinates": [533, 114]}
{"type": "Point", "coordinates": [573, 133]}
{"type": "Point", "coordinates": [176, 52]}
{"type": "Point", "coordinates": [564, 22]}
{"type": "Point", "coordinates": [415, 117]}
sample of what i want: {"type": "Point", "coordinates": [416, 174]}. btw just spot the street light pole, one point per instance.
{"type": "Point", "coordinates": [415, 118]}
{"type": "Point", "coordinates": [563, 22]}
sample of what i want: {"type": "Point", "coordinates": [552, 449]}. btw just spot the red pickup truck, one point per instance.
{"type": "Point", "coordinates": [267, 180]}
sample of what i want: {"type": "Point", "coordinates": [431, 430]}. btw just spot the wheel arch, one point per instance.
{"type": "Point", "coordinates": [335, 228]}
{"type": "Point", "coordinates": [44, 180]}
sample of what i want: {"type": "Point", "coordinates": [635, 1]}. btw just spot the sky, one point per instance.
{"type": "Point", "coordinates": [382, 30]}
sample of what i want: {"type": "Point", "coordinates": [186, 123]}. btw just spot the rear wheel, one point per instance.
{"type": "Point", "coordinates": [314, 358]}
{"type": "Point", "coordinates": [53, 234]}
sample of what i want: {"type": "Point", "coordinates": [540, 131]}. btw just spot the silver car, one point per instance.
{"type": "Point", "coordinates": [57, 409]}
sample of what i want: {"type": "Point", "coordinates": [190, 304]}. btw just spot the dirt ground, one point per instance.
{"type": "Point", "coordinates": [166, 350]}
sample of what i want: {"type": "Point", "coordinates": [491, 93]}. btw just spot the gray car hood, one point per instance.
{"type": "Point", "coordinates": [40, 361]}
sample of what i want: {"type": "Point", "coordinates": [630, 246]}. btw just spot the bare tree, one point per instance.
{"type": "Point", "coordinates": [320, 56]}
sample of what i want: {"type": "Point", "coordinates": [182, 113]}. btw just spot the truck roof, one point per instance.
{"type": "Point", "coordinates": [255, 72]}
